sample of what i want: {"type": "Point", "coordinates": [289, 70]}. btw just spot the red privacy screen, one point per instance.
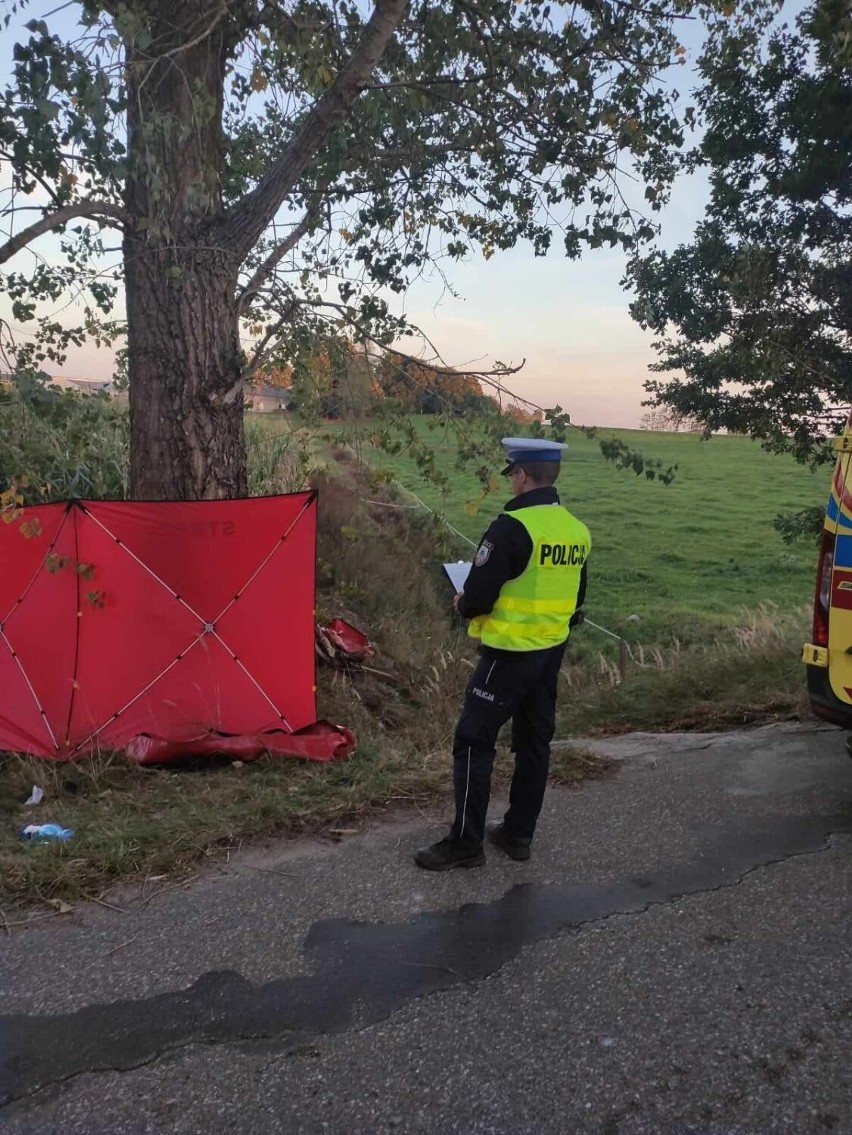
{"type": "Point", "coordinates": [172, 619]}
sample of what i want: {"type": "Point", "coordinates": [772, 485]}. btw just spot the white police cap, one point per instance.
{"type": "Point", "coordinates": [520, 449]}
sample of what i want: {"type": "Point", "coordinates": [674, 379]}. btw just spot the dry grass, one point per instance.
{"type": "Point", "coordinates": [134, 823]}
{"type": "Point", "coordinates": [748, 673]}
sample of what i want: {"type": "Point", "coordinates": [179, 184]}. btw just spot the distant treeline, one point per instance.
{"type": "Point", "coordinates": [334, 380]}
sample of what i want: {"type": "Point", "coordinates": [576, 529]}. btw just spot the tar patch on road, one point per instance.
{"type": "Point", "coordinates": [365, 971]}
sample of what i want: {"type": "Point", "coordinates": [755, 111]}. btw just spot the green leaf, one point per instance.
{"type": "Point", "coordinates": [48, 108]}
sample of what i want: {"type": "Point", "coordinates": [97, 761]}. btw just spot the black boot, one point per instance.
{"type": "Point", "coordinates": [448, 853]}
{"type": "Point", "coordinates": [514, 847]}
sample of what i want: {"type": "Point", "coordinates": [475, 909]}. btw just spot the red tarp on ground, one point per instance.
{"type": "Point", "coordinates": [319, 742]}
{"type": "Point", "coordinates": [172, 620]}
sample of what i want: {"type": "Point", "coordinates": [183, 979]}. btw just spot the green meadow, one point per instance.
{"type": "Point", "coordinates": [688, 558]}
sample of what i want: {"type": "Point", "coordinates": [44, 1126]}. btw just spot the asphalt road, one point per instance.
{"type": "Point", "coordinates": [676, 957]}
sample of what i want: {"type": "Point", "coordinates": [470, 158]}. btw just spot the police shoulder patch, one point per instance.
{"type": "Point", "coordinates": [483, 552]}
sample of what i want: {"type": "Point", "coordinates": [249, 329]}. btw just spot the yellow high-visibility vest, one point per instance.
{"type": "Point", "coordinates": [533, 611]}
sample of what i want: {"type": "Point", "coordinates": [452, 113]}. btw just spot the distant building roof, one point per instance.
{"type": "Point", "coordinates": [87, 385]}
{"type": "Point", "coordinates": [278, 392]}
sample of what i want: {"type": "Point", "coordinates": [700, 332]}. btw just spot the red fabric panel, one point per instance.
{"type": "Point", "coordinates": [203, 692]}
{"type": "Point", "coordinates": [143, 639]}
{"type": "Point", "coordinates": [319, 742]}
{"type": "Point", "coordinates": [24, 543]}
{"type": "Point", "coordinates": [273, 624]}
{"type": "Point", "coordinates": [36, 689]}
{"type": "Point", "coordinates": [22, 727]}
{"type": "Point", "coordinates": [131, 629]}
{"type": "Point", "coordinates": [206, 551]}
{"type": "Point", "coordinates": [45, 643]}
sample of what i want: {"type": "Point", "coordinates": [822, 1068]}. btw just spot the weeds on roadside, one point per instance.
{"type": "Point", "coordinates": [277, 461]}
{"type": "Point", "coordinates": [748, 672]}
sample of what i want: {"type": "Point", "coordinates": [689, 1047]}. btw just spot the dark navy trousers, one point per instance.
{"type": "Point", "coordinates": [520, 685]}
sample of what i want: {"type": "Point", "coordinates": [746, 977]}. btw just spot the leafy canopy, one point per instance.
{"type": "Point", "coordinates": [754, 316]}
{"type": "Point", "coordinates": [335, 181]}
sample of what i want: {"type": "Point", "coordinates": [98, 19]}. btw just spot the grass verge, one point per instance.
{"type": "Point", "coordinates": [748, 673]}
{"type": "Point", "coordinates": [136, 823]}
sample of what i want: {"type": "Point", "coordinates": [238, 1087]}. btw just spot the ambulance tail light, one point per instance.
{"type": "Point", "coordinates": [822, 599]}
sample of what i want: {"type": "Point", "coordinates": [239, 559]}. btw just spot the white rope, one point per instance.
{"type": "Point", "coordinates": [25, 676]}
{"type": "Point", "coordinates": [443, 519]}
{"type": "Point", "coordinates": [603, 630]}
{"type": "Point", "coordinates": [611, 634]}
{"type": "Point", "coordinates": [387, 504]}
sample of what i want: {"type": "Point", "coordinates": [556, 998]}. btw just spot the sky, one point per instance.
{"type": "Point", "coordinates": [568, 321]}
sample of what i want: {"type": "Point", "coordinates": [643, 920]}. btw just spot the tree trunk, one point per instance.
{"type": "Point", "coordinates": [186, 443]}
{"type": "Point", "coordinates": [184, 359]}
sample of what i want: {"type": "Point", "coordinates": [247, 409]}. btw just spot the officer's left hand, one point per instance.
{"type": "Point", "coordinates": [456, 598]}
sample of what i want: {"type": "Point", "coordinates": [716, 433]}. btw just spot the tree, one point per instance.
{"type": "Point", "coordinates": [663, 419]}
{"type": "Point", "coordinates": [755, 315]}
{"type": "Point", "coordinates": [272, 165]}
{"type": "Point", "coordinates": [427, 389]}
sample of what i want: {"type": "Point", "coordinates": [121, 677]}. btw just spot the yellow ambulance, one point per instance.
{"type": "Point", "coordinates": [828, 655]}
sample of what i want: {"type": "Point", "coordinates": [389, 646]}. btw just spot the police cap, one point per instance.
{"type": "Point", "coordinates": [521, 449]}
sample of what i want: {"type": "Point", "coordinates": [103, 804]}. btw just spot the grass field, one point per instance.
{"type": "Point", "coordinates": [687, 558]}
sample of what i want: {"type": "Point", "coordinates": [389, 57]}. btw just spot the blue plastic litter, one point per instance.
{"type": "Point", "coordinates": [42, 832]}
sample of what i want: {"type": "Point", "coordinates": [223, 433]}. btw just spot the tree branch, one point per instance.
{"type": "Point", "coordinates": [275, 257]}
{"type": "Point", "coordinates": [259, 356]}
{"type": "Point", "coordinates": [6, 155]}
{"type": "Point", "coordinates": [261, 353]}
{"type": "Point", "coordinates": [95, 209]}
{"type": "Point", "coordinates": [243, 224]}
{"type": "Point", "coordinates": [487, 375]}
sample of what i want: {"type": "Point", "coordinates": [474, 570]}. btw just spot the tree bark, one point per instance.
{"type": "Point", "coordinates": [186, 441]}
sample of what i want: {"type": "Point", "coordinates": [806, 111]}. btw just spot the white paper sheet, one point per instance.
{"type": "Point", "coordinates": [458, 573]}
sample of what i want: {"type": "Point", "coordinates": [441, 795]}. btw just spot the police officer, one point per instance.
{"type": "Point", "coordinates": [522, 595]}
